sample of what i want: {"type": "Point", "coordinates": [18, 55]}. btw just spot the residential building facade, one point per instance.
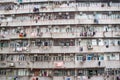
{"type": "Point", "coordinates": [59, 39]}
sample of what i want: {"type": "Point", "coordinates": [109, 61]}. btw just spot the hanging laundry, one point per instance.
{"type": "Point", "coordinates": [81, 48]}
{"type": "Point", "coordinates": [99, 63]}
{"type": "Point", "coordinates": [68, 78]}
{"type": "Point", "coordinates": [36, 9]}
{"type": "Point", "coordinates": [33, 34]}
{"type": "Point", "coordinates": [96, 21]}
{"type": "Point", "coordinates": [20, 1]}
{"type": "Point", "coordinates": [58, 64]}
{"type": "Point", "coordinates": [118, 42]}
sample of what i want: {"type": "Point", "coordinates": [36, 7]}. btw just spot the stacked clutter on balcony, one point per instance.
{"type": "Point", "coordinates": [59, 39]}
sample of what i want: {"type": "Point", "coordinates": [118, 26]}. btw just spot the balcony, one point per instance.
{"type": "Point", "coordinates": [45, 78]}
{"type": "Point", "coordinates": [40, 22]}
{"type": "Point", "coordinates": [94, 63]}
{"type": "Point", "coordinates": [61, 22]}
{"type": "Point", "coordinates": [4, 50]}
{"type": "Point", "coordinates": [3, 64]}
{"type": "Point", "coordinates": [98, 8]}
{"type": "Point", "coordinates": [66, 64]}
{"type": "Point", "coordinates": [28, 1]}
{"type": "Point", "coordinates": [115, 64]}
{"type": "Point", "coordinates": [110, 34]}
{"type": "Point", "coordinates": [59, 9]}
{"type": "Point", "coordinates": [58, 78]}
{"type": "Point", "coordinates": [29, 34]}
{"type": "Point", "coordinates": [54, 49]}
{"type": "Point", "coordinates": [73, 49]}
{"type": "Point", "coordinates": [77, 35]}
{"type": "Point", "coordinates": [102, 49]}
{"type": "Point", "coordinates": [23, 64]}
{"type": "Point", "coordinates": [64, 78]}
{"type": "Point", "coordinates": [61, 49]}
{"type": "Point", "coordinates": [5, 77]}
{"type": "Point", "coordinates": [7, 1]}
{"type": "Point", "coordinates": [100, 21]}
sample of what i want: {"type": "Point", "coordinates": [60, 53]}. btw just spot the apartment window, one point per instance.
{"type": "Point", "coordinates": [2, 72]}
{"type": "Point", "coordinates": [90, 57]}
{"type": "Point", "coordinates": [10, 57]}
{"type": "Point", "coordinates": [38, 29]}
{"type": "Point", "coordinates": [44, 72]}
{"type": "Point", "coordinates": [57, 58]}
{"type": "Point", "coordinates": [2, 57]}
{"type": "Point", "coordinates": [36, 58]}
{"type": "Point", "coordinates": [69, 72]}
{"type": "Point", "coordinates": [94, 42]}
{"type": "Point", "coordinates": [3, 44]}
{"type": "Point", "coordinates": [31, 58]}
{"type": "Point", "coordinates": [110, 71]}
{"type": "Point", "coordinates": [79, 58]}
{"type": "Point", "coordinates": [108, 57]}
{"type": "Point", "coordinates": [46, 58]}
{"type": "Point", "coordinates": [72, 72]}
{"type": "Point", "coordinates": [113, 56]}
{"type": "Point", "coordinates": [69, 57]}
{"type": "Point", "coordinates": [22, 57]}
{"type": "Point", "coordinates": [57, 29]}
{"type": "Point", "coordinates": [22, 72]}
{"type": "Point", "coordinates": [38, 43]}
{"type": "Point", "coordinates": [58, 73]}
{"type": "Point", "coordinates": [100, 41]}
{"type": "Point", "coordinates": [9, 72]}
{"type": "Point", "coordinates": [66, 43]}
{"type": "Point", "coordinates": [23, 43]}
{"type": "Point", "coordinates": [43, 43]}
{"type": "Point", "coordinates": [12, 44]}
{"type": "Point", "coordinates": [41, 58]}
{"type": "Point", "coordinates": [20, 1]}
{"type": "Point", "coordinates": [101, 57]}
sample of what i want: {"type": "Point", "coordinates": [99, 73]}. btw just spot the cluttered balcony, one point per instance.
{"type": "Point", "coordinates": [60, 64]}
{"type": "Point", "coordinates": [59, 46]}
{"type": "Point", "coordinates": [60, 7]}
{"type": "Point", "coordinates": [60, 49]}
{"type": "Point", "coordinates": [55, 32]}
{"type": "Point", "coordinates": [61, 22]}
{"type": "Point", "coordinates": [7, 1]}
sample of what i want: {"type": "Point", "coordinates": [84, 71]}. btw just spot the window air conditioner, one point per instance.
{"type": "Point", "coordinates": [11, 65]}
{"type": "Point", "coordinates": [3, 64]}
{"type": "Point", "coordinates": [90, 47]}
{"type": "Point", "coordinates": [71, 54]}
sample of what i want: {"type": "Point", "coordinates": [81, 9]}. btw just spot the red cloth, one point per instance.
{"type": "Point", "coordinates": [33, 79]}
{"type": "Point", "coordinates": [20, 35]}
